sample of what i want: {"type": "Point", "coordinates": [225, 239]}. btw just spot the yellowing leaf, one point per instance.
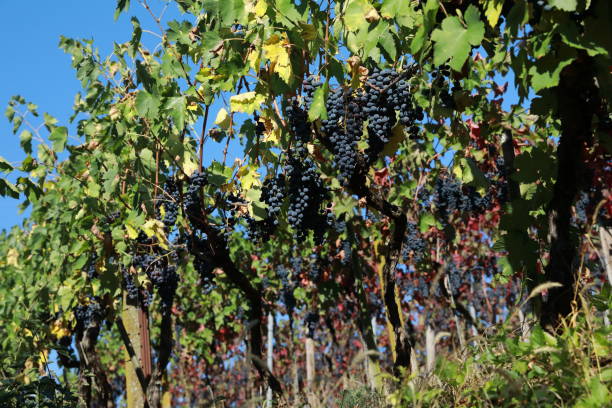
{"type": "Point", "coordinates": [59, 330]}
{"type": "Point", "coordinates": [155, 228]}
{"type": "Point", "coordinates": [246, 102]}
{"type": "Point", "coordinates": [12, 257]}
{"type": "Point", "coordinates": [189, 165]}
{"type": "Point", "coordinates": [493, 9]}
{"type": "Point", "coordinates": [131, 231]}
{"type": "Point", "coordinates": [223, 119]}
{"type": "Point", "coordinates": [260, 8]}
{"type": "Point", "coordinates": [276, 49]}
{"type": "Point", "coordinates": [249, 176]}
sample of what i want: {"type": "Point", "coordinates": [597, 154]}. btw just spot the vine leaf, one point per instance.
{"type": "Point", "coordinates": [223, 119]}
{"type": "Point", "coordinates": [429, 19]}
{"type": "Point", "coordinates": [355, 14]}
{"type": "Point", "coordinates": [147, 105]}
{"type": "Point", "coordinates": [493, 9]}
{"type": "Point", "coordinates": [25, 139]}
{"type": "Point", "coordinates": [317, 108]}
{"type": "Point", "coordinates": [454, 41]}
{"type": "Point", "coordinates": [58, 136]}
{"type": "Point", "coordinates": [246, 102]}
{"type": "Point", "coordinates": [177, 107]}
{"type": "Point", "coordinates": [277, 51]}
{"type": "Point", "coordinates": [565, 5]}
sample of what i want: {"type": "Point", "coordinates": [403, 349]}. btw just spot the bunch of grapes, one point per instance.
{"type": "Point", "coordinates": [309, 85]}
{"type": "Point", "coordinates": [348, 251]}
{"type": "Point", "coordinates": [160, 269]}
{"type": "Point", "coordinates": [441, 86]}
{"type": "Point", "coordinates": [193, 200]}
{"type": "Point", "coordinates": [379, 111]}
{"type": "Point", "coordinates": [130, 285]}
{"type": "Point", "coordinates": [171, 203]}
{"type": "Point", "coordinates": [454, 277]}
{"type": "Point", "coordinates": [273, 193]}
{"type": "Point", "coordinates": [287, 296]}
{"type": "Point", "coordinates": [343, 127]}
{"type": "Point", "coordinates": [203, 261]}
{"type": "Point", "coordinates": [306, 189]}
{"type": "Point", "coordinates": [414, 244]}
{"type": "Point", "coordinates": [385, 92]}
{"type": "Point", "coordinates": [450, 195]}
{"type": "Point", "coordinates": [90, 268]}
{"type": "Point", "coordinates": [88, 315]}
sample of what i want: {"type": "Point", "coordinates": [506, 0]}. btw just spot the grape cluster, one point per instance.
{"type": "Point", "coordinates": [582, 206]}
{"type": "Point", "coordinates": [90, 268]}
{"type": "Point", "coordinates": [414, 244]}
{"type": "Point", "coordinates": [441, 86]}
{"type": "Point", "coordinates": [309, 85]}
{"type": "Point", "coordinates": [315, 272]}
{"type": "Point", "coordinates": [385, 92]}
{"type": "Point", "coordinates": [306, 189]}
{"type": "Point", "coordinates": [348, 251]}
{"type": "Point", "coordinates": [273, 193]}
{"type": "Point", "coordinates": [203, 262]}
{"type": "Point", "coordinates": [164, 278]}
{"type": "Point", "coordinates": [260, 127]}
{"type": "Point", "coordinates": [160, 269]}
{"type": "Point", "coordinates": [171, 203]}
{"type": "Point", "coordinates": [88, 315]}
{"type": "Point", "coordinates": [311, 320]}
{"type": "Point", "coordinates": [193, 200]}
{"type": "Point", "coordinates": [130, 285]}
{"type": "Point", "coordinates": [454, 277]}
{"type": "Point", "coordinates": [378, 110]}
{"type": "Point", "coordinates": [449, 195]}
{"type": "Point", "coordinates": [287, 296]}
{"type": "Point", "coordinates": [343, 127]}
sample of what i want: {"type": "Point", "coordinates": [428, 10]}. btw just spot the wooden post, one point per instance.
{"type": "Point", "coordinates": [270, 355]}
{"type": "Point", "coordinates": [430, 348]}
{"type": "Point", "coordinates": [136, 328]}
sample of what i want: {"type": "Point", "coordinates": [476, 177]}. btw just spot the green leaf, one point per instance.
{"type": "Point", "coordinates": [395, 8]}
{"type": "Point", "coordinates": [136, 35]}
{"type": "Point", "coordinates": [177, 107]}
{"type": "Point", "coordinates": [122, 5]}
{"type": "Point", "coordinates": [5, 166]}
{"type": "Point", "coordinates": [59, 136]}
{"type": "Point", "coordinates": [429, 19]}
{"type": "Point", "coordinates": [147, 105]}
{"type": "Point", "coordinates": [387, 42]}
{"type": "Point", "coordinates": [454, 41]}
{"type": "Point", "coordinates": [8, 189]}
{"type": "Point", "coordinates": [288, 14]}
{"type": "Point", "coordinates": [25, 140]}
{"type": "Point", "coordinates": [565, 5]}
{"type": "Point", "coordinates": [219, 174]}
{"type": "Point", "coordinates": [232, 11]}
{"type": "Point", "coordinates": [354, 15]}
{"type": "Point", "coordinates": [317, 108]}
{"type": "Point", "coordinates": [545, 73]}
{"type": "Point", "coordinates": [146, 157]}
{"type": "Point", "coordinates": [427, 220]}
